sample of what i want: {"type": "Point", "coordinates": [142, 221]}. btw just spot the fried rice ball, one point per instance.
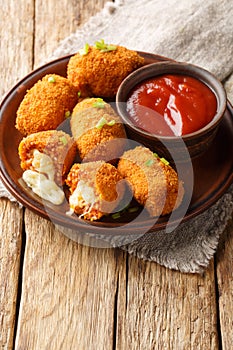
{"type": "Point", "coordinates": [99, 73]}
{"type": "Point", "coordinates": [97, 130]}
{"type": "Point", "coordinates": [154, 183]}
{"type": "Point", "coordinates": [45, 105]}
{"type": "Point", "coordinates": [96, 189]}
{"type": "Point", "coordinates": [51, 152]}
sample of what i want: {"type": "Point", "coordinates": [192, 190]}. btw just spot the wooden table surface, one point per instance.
{"type": "Point", "coordinates": [57, 294]}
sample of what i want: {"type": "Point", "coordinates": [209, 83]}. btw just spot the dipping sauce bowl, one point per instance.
{"type": "Point", "coordinates": [172, 106]}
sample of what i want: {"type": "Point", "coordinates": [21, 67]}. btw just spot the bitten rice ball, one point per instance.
{"type": "Point", "coordinates": [51, 152]}
{"type": "Point", "coordinates": [96, 189]}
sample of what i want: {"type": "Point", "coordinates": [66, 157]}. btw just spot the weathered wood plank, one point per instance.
{"type": "Point", "coordinates": [167, 310]}
{"type": "Point", "coordinates": [10, 252]}
{"type": "Point", "coordinates": [55, 20]}
{"type": "Point", "coordinates": [16, 35]}
{"type": "Point", "coordinates": [69, 291]}
{"type": "Point", "coordinates": [16, 42]}
{"type": "Point", "coordinates": [225, 286]}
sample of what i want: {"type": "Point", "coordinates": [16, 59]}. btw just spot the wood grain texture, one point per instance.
{"type": "Point", "coordinates": [225, 287]}
{"type": "Point", "coordinates": [15, 62]}
{"type": "Point", "coordinates": [55, 20]}
{"type": "Point", "coordinates": [69, 291]}
{"type": "Point", "coordinates": [16, 44]}
{"type": "Point", "coordinates": [167, 310]}
{"type": "Point", "coordinates": [11, 219]}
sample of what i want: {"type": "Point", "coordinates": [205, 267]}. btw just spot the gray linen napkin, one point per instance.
{"type": "Point", "coordinates": [193, 31]}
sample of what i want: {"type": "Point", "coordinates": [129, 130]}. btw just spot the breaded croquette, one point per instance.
{"type": "Point", "coordinates": [99, 72]}
{"type": "Point", "coordinates": [45, 105]}
{"type": "Point", "coordinates": [50, 152]}
{"type": "Point", "coordinates": [95, 188]}
{"type": "Point", "coordinates": [154, 182]}
{"type": "Point", "coordinates": [97, 130]}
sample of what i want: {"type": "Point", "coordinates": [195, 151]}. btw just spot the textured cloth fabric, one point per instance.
{"type": "Point", "coordinates": [193, 31]}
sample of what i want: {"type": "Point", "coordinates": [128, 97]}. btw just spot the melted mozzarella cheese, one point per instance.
{"type": "Point", "coordinates": [44, 187]}
{"type": "Point", "coordinates": [41, 180]}
{"type": "Point", "coordinates": [43, 164]}
{"type": "Point", "coordinates": [82, 196]}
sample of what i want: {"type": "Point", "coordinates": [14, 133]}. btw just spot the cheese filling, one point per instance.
{"type": "Point", "coordinates": [43, 164]}
{"type": "Point", "coordinates": [41, 180]}
{"type": "Point", "coordinates": [83, 197]}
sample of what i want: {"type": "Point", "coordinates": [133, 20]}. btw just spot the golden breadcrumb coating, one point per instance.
{"type": "Point", "coordinates": [104, 179]}
{"type": "Point", "coordinates": [100, 73]}
{"type": "Point", "coordinates": [45, 105]}
{"type": "Point", "coordinates": [93, 143]}
{"type": "Point", "coordinates": [155, 185]}
{"type": "Point", "coordinates": [58, 145]}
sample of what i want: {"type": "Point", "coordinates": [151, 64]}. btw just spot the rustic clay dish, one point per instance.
{"type": "Point", "coordinates": [196, 142]}
{"type": "Point", "coordinates": [213, 173]}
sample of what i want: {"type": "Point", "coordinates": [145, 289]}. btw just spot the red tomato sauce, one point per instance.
{"type": "Point", "coordinates": [171, 105]}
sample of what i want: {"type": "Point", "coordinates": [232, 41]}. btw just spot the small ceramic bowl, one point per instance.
{"type": "Point", "coordinates": [196, 143]}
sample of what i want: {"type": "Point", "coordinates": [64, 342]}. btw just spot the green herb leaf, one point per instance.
{"type": "Point", "coordinates": [99, 103]}
{"type": "Point", "coordinates": [133, 209]}
{"type": "Point", "coordinates": [101, 123]}
{"type": "Point", "coordinates": [111, 123]}
{"type": "Point", "coordinates": [116, 215]}
{"type": "Point", "coordinates": [100, 45]}
{"type": "Point", "coordinates": [84, 51]}
{"type": "Point", "coordinates": [164, 161]}
{"type": "Point", "coordinates": [51, 79]}
{"type": "Point", "coordinates": [79, 93]}
{"type": "Point", "coordinates": [149, 162]}
{"type": "Point", "coordinates": [63, 139]}
{"type": "Point", "coordinates": [67, 114]}
{"type": "Point", "coordinates": [111, 47]}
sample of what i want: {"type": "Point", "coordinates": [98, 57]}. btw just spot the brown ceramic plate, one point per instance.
{"type": "Point", "coordinates": [213, 172]}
